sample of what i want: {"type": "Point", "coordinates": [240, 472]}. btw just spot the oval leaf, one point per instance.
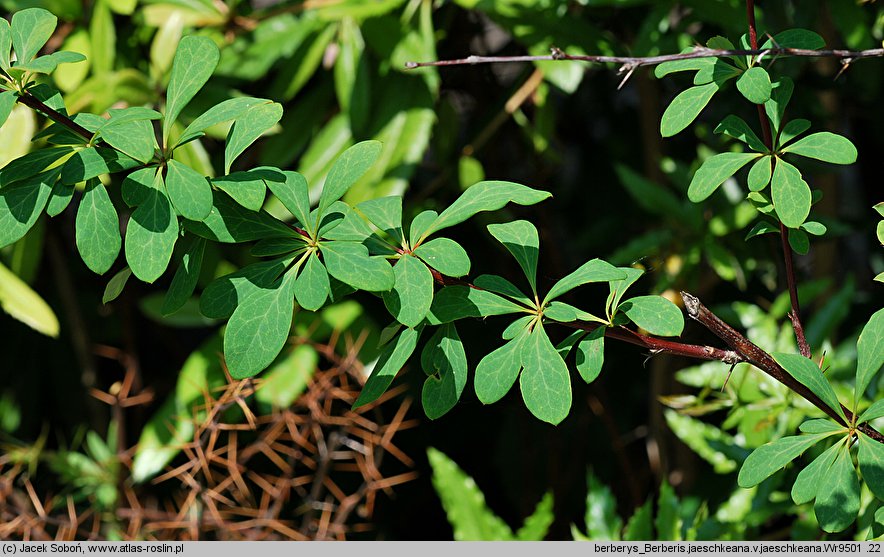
{"type": "Point", "coordinates": [655, 314]}
{"type": "Point", "coordinates": [824, 146]}
{"type": "Point", "coordinates": [769, 458]}
{"type": "Point", "coordinates": [545, 383]}
{"type": "Point", "coordinates": [714, 171]}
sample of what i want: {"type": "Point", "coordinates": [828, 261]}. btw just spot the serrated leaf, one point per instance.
{"type": "Point", "coordinates": [838, 497]}
{"type": "Point", "coordinates": [445, 255]}
{"type": "Point", "coordinates": [98, 228]}
{"type": "Point", "coordinates": [790, 193]}
{"type": "Point", "coordinates": [737, 128]}
{"type": "Point", "coordinates": [189, 191]}
{"type": "Point", "coordinates": [116, 285]}
{"type": "Point", "coordinates": [464, 503]}
{"type": "Point", "coordinates": [23, 304]}
{"type": "Point", "coordinates": [151, 234]}
{"type": "Point", "coordinates": [445, 362]}
{"type": "Point", "coordinates": [229, 222]}
{"type": "Point", "coordinates": [714, 171]}
{"type": "Point", "coordinates": [498, 370]}
{"type": "Point", "coordinates": [760, 173]}
{"type": "Point", "coordinates": [602, 521]}
{"type": "Point", "coordinates": [809, 374]}
{"type": "Point", "coordinates": [457, 302]}
{"type": "Point", "coordinates": [195, 61]}
{"type": "Point", "coordinates": [668, 522]}
{"type": "Point", "coordinates": [22, 203]}
{"type": "Point", "coordinates": [312, 287]}
{"type": "Point", "coordinates": [258, 329]}
{"type": "Point", "coordinates": [685, 108]}
{"type": "Point", "coordinates": [639, 526]}
{"type": "Point", "coordinates": [545, 383]}
{"type": "Point", "coordinates": [594, 270]}
{"type": "Point", "coordinates": [655, 314]}
{"type": "Point", "coordinates": [412, 292]}
{"type": "Point", "coordinates": [521, 240]}
{"type": "Point", "coordinates": [824, 146]}
{"type": "Point", "coordinates": [537, 524]}
{"type": "Point", "coordinates": [388, 364]}
{"type": "Point", "coordinates": [349, 167]}
{"type": "Point", "coordinates": [484, 196]}
{"type": "Point", "coordinates": [350, 263]}
{"type": "Point", "coordinates": [247, 128]}
{"type": "Point", "coordinates": [590, 355]}
{"type": "Point", "coordinates": [809, 480]}
{"type": "Point", "coordinates": [767, 459]}
{"type": "Point", "coordinates": [755, 85]}
{"type": "Point", "coordinates": [869, 353]}
{"type": "Point", "coordinates": [186, 277]}
{"type": "Point", "coordinates": [30, 30]}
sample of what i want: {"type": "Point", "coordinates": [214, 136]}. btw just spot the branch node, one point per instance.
{"type": "Point", "coordinates": [691, 304]}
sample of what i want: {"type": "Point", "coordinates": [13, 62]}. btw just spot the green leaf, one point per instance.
{"type": "Point", "coordinates": [821, 426]}
{"type": "Point", "coordinates": [22, 203]}
{"type": "Point", "coordinates": [714, 171]}
{"type": "Point", "coordinates": [815, 228]}
{"type": "Point", "coordinates": [93, 162]}
{"type": "Point", "coordinates": [137, 185]}
{"type": "Point", "coordinates": [115, 285]}
{"type": "Point", "coordinates": [618, 288]}
{"type": "Point", "coordinates": [445, 363]}
{"type": "Point", "coordinates": [312, 287]}
{"type": "Point", "coordinates": [31, 28]}
{"type": "Point", "coordinates": [103, 36]}
{"type": "Point", "coordinates": [795, 38]}
{"type": "Point", "coordinates": [249, 127]}
{"type": "Point", "coordinates": [385, 213]}
{"type": "Point", "coordinates": [655, 314]}
{"type": "Point", "coordinates": [799, 241]}
{"type": "Point", "coordinates": [23, 304]}
{"type": "Point", "coordinates": [388, 364]}
{"type": "Point", "coordinates": [521, 240]}
{"type": "Point", "coordinates": [294, 195]}
{"type": "Point", "coordinates": [7, 102]}
{"type": "Point", "coordinates": [412, 293]}
{"type": "Point", "coordinates": [790, 193]}
{"type": "Point", "coordinates": [755, 85]}
{"type": "Point", "coordinates": [809, 374]}
{"type": "Point", "coordinates": [248, 188]}
{"type": "Point", "coordinates": [685, 108]}
{"type": "Point", "coordinates": [186, 277]}
{"type": "Point", "coordinates": [566, 313]}
{"type": "Point", "coordinates": [151, 234]}
{"type": "Point", "coordinates": [419, 224]}
{"type": "Point", "coordinates": [639, 526]}
{"type": "Point", "coordinates": [706, 440]}
{"type": "Point", "coordinates": [594, 270]}
{"type": "Point", "coordinates": [457, 302]}
{"type": "Point", "coordinates": [602, 521]}
{"type": "Point", "coordinates": [446, 256]}
{"type": "Point", "coordinates": [349, 167]}
{"type": "Point", "coordinates": [824, 146]}
{"type": "Point", "coordinates": [498, 370]}
{"type": "Point", "coordinates": [759, 174]}
{"type": "Point", "coordinates": [869, 353]}
{"type": "Point", "coordinates": [762, 227]}
{"type": "Point", "coordinates": [873, 412]}
{"type": "Point", "coordinates": [516, 327]}
{"type": "Point", "coordinates": [223, 295]}
{"type": "Point", "coordinates": [780, 94]}
{"type": "Point", "coordinates": [134, 138]}
{"type": "Point", "coordinates": [809, 480]}
{"type": "Point", "coordinates": [668, 521]}
{"type": "Point", "coordinates": [545, 384]}
{"type": "Point", "coordinates": [769, 458]}
{"type": "Point", "coordinates": [350, 263]}
{"type": "Point", "coordinates": [537, 525]}
{"type": "Point", "coordinates": [195, 60]}
{"type": "Point", "coordinates": [484, 196]}
{"type": "Point", "coordinates": [838, 497]}
{"type": "Point", "coordinates": [590, 355]}
{"type": "Point", "coordinates": [650, 196]}
{"type": "Point", "coordinates": [229, 222]}
{"type": "Point", "coordinates": [464, 503]}
{"type": "Point", "coordinates": [258, 329]}
{"type": "Point", "coordinates": [500, 285]}
{"type": "Point", "coordinates": [189, 191]}
{"type": "Point", "coordinates": [691, 64]}
{"type": "Point", "coordinates": [288, 377]}
{"type": "Point", "coordinates": [5, 44]}
{"type": "Point", "coordinates": [791, 130]}
{"type": "Point", "coordinates": [30, 165]}
{"type": "Point", "coordinates": [737, 128]}
{"type": "Point", "coordinates": [871, 464]}
{"type": "Point", "coordinates": [224, 111]}
{"type": "Point", "coordinates": [98, 228]}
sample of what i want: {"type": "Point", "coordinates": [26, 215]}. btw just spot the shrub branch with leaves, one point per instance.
{"type": "Point", "coordinates": [327, 248]}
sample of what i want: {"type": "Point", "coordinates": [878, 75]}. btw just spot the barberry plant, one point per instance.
{"type": "Point", "coordinates": [327, 248]}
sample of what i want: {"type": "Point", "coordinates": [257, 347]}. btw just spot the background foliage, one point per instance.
{"type": "Point", "coordinates": [619, 191]}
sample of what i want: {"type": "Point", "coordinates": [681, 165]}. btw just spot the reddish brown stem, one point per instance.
{"type": "Point", "coordinates": [33, 102]}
